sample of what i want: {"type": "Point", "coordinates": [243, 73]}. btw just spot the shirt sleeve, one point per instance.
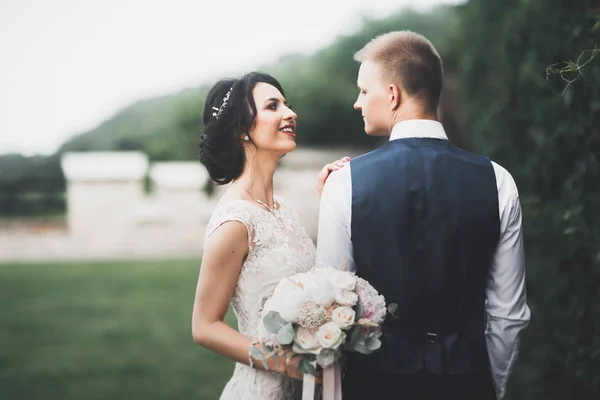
{"type": "Point", "coordinates": [334, 244]}
{"type": "Point", "coordinates": [506, 306]}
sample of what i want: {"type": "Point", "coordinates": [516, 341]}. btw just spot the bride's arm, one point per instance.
{"type": "Point", "coordinates": [222, 261]}
{"type": "Point", "coordinates": [224, 253]}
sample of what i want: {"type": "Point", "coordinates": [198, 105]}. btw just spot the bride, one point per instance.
{"type": "Point", "coordinates": [253, 238]}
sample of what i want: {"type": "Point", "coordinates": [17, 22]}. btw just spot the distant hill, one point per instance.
{"type": "Point", "coordinates": [143, 125]}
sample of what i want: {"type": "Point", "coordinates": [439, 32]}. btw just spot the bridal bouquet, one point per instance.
{"type": "Point", "coordinates": [319, 314]}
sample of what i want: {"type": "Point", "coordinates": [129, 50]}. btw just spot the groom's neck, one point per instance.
{"type": "Point", "coordinates": [411, 111]}
{"type": "Point", "coordinates": [427, 116]}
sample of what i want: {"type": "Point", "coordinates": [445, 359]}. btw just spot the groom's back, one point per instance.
{"type": "Point", "coordinates": [425, 224]}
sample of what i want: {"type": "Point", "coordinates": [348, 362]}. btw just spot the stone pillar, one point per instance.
{"type": "Point", "coordinates": [103, 190]}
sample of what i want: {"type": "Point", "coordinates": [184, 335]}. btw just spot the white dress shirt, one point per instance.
{"type": "Point", "coordinates": [506, 306]}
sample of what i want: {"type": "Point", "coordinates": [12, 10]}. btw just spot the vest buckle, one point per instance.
{"type": "Point", "coordinates": [431, 337]}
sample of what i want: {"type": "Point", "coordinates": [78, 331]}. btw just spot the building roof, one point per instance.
{"type": "Point", "coordinates": [178, 175]}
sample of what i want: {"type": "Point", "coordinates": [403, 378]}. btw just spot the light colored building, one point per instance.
{"type": "Point", "coordinates": [110, 215]}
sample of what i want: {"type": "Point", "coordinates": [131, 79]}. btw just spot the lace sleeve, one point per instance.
{"type": "Point", "coordinates": [234, 210]}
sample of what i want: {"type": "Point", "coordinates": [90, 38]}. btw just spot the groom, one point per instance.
{"type": "Point", "coordinates": [435, 229]}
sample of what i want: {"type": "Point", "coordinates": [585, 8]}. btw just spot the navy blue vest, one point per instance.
{"type": "Point", "coordinates": [425, 225]}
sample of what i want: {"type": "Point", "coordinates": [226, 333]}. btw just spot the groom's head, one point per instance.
{"type": "Point", "coordinates": [400, 77]}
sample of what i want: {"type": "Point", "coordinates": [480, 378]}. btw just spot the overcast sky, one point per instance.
{"type": "Point", "coordinates": [67, 65]}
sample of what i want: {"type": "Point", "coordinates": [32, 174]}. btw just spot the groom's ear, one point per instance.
{"type": "Point", "coordinates": [395, 95]}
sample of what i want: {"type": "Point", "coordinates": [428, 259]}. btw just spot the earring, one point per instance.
{"type": "Point", "coordinates": [247, 138]}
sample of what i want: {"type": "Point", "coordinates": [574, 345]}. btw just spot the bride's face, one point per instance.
{"type": "Point", "coordinates": [274, 127]}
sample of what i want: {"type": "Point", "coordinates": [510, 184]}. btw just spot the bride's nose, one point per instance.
{"type": "Point", "coordinates": [290, 115]}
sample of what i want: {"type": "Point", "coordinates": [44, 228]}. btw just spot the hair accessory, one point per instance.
{"type": "Point", "coordinates": [219, 110]}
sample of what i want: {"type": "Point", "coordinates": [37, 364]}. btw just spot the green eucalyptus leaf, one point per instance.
{"type": "Point", "coordinates": [360, 310]}
{"type": "Point", "coordinates": [258, 355]}
{"type": "Point", "coordinates": [373, 344]}
{"type": "Point", "coordinates": [326, 357]}
{"type": "Point", "coordinates": [392, 307]}
{"type": "Point", "coordinates": [275, 357]}
{"type": "Point", "coordinates": [273, 322]}
{"type": "Point", "coordinates": [355, 337]}
{"type": "Point", "coordinates": [359, 342]}
{"type": "Point", "coordinates": [306, 367]}
{"type": "Point", "coordinates": [361, 347]}
{"type": "Point", "coordinates": [286, 334]}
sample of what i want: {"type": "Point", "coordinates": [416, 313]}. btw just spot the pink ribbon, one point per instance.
{"type": "Point", "coordinates": [332, 384]}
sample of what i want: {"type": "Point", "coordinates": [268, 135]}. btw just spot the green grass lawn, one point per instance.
{"type": "Point", "coordinates": [118, 330]}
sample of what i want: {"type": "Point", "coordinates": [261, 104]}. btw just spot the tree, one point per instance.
{"type": "Point", "coordinates": [551, 144]}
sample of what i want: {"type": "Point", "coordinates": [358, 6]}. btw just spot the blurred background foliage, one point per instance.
{"type": "Point", "coordinates": [498, 101]}
{"type": "Point", "coordinates": [551, 144]}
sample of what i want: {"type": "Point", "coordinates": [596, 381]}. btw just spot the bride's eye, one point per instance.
{"type": "Point", "coordinates": [272, 106]}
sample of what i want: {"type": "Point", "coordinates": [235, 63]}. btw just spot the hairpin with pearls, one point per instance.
{"type": "Point", "coordinates": [219, 111]}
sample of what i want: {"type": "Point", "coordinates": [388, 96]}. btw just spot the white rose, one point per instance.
{"type": "Point", "coordinates": [330, 336]}
{"type": "Point", "coordinates": [343, 280]}
{"type": "Point", "coordinates": [345, 297]}
{"type": "Point", "coordinates": [343, 316]}
{"type": "Point", "coordinates": [282, 290]}
{"type": "Point", "coordinates": [289, 308]}
{"type": "Point", "coordinates": [305, 341]}
{"type": "Point", "coordinates": [319, 290]}
{"type": "Point", "coordinates": [287, 299]}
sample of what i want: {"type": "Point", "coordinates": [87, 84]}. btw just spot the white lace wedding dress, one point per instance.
{"type": "Point", "coordinates": [278, 247]}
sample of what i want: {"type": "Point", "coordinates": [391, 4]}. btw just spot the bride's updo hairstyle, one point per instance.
{"type": "Point", "coordinates": [229, 114]}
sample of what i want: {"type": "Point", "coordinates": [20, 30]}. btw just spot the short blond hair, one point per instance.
{"type": "Point", "coordinates": [410, 61]}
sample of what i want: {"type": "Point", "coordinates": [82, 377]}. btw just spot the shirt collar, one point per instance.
{"type": "Point", "coordinates": [418, 128]}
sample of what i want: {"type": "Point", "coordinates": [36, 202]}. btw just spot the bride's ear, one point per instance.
{"type": "Point", "coordinates": [395, 94]}
{"type": "Point", "coordinates": [245, 137]}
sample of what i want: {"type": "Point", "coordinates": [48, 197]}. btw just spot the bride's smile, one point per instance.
{"type": "Point", "coordinates": [275, 122]}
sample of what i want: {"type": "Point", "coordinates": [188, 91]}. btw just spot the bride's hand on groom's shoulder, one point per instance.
{"type": "Point", "coordinates": [326, 170]}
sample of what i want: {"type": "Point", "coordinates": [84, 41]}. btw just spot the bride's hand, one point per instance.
{"type": "Point", "coordinates": [287, 364]}
{"type": "Point", "coordinates": [324, 174]}
{"type": "Point", "coordinates": [290, 367]}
